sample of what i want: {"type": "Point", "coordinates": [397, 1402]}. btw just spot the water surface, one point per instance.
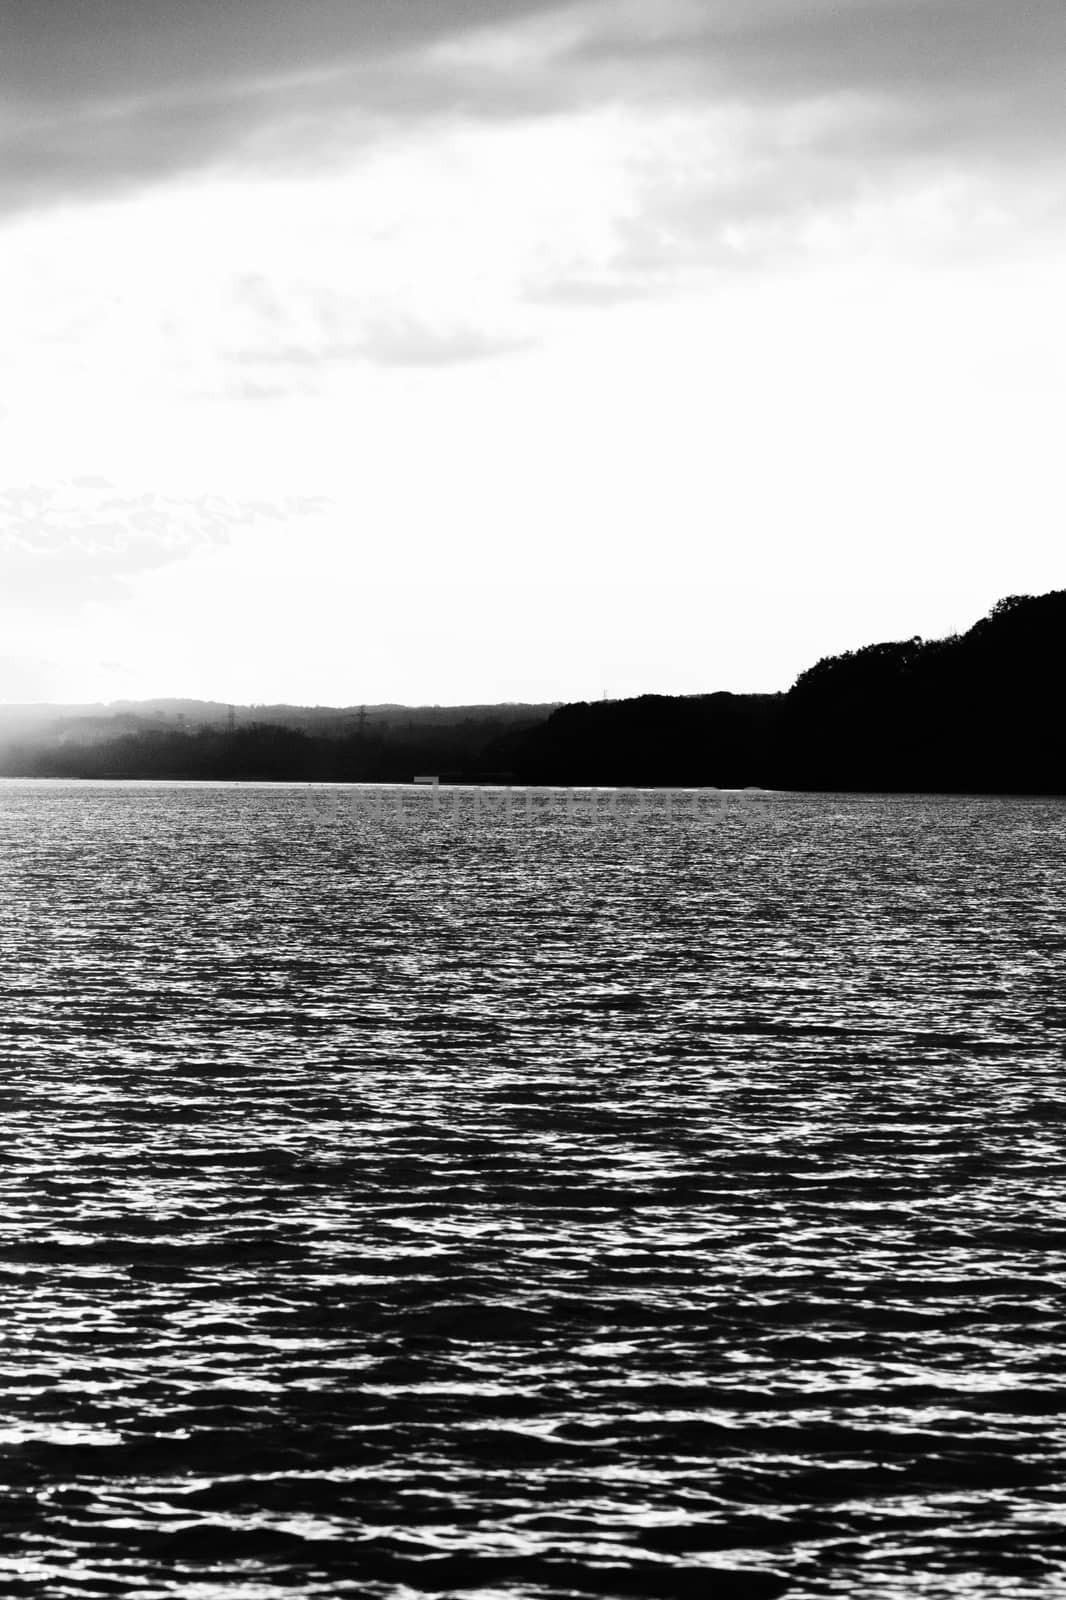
{"type": "Point", "coordinates": [487, 1203]}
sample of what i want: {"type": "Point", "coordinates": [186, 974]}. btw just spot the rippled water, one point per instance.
{"type": "Point", "coordinates": [502, 1204]}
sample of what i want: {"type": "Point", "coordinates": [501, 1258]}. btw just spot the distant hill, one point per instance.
{"type": "Point", "coordinates": [654, 739]}
{"type": "Point", "coordinates": [978, 711]}
{"type": "Point", "coordinates": [209, 739]}
{"type": "Point", "coordinates": [112, 716]}
{"type": "Point", "coordinates": [981, 710]}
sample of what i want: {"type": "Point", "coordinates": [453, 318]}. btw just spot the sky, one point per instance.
{"type": "Point", "coordinates": [451, 351]}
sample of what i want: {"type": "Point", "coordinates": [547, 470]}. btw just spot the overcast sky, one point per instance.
{"type": "Point", "coordinates": [470, 350]}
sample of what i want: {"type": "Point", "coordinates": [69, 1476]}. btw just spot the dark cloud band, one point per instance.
{"type": "Point", "coordinates": [106, 93]}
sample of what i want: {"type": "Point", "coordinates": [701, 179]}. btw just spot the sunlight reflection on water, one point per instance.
{"type": "Point", "coordinates": [525, 1203]}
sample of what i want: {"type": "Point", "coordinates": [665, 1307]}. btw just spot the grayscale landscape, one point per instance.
{"type": "Point", "coordinates": [532, 800]}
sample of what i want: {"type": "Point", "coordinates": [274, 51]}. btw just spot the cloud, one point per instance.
{"type": "Point", "coordinates": [777, 129]}
{"type": "Point", "coordinates": [73, 51]}
{"type": "Point", "coordinates": [80, 537]}
{"type": "Point", "coordinates": [276, 338]}
{"type": "Point", "coordinates": [397, 340]}
{"type": "Point", "coordinates": [781, 48]}
{"type": "Point", "coordinates": [101, 94]}
{"type": "Point", "coordinates": [446, 176]}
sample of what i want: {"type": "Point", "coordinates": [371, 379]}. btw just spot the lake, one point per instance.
{"type": "Point", "coordinates": [437, 1192]}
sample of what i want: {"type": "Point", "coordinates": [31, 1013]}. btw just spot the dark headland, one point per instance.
{"type": "Point", "coordinates": [980, 711]}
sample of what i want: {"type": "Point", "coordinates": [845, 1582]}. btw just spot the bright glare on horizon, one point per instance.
{"type": "Point", "coordinates": [471, 352]}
